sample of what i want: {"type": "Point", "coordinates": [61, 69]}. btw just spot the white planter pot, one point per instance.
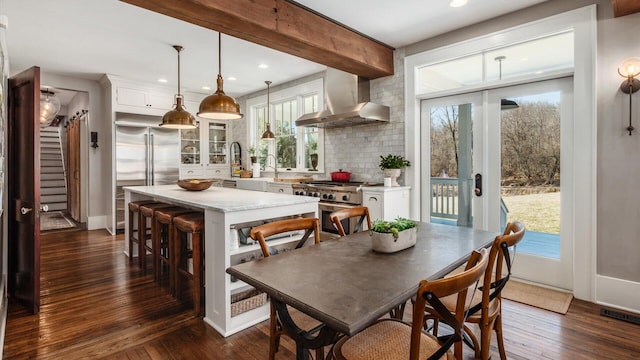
{"type": "Point", "coordinates": [393, 174]}
{"type": "Point", "coordinates": [386, 243]}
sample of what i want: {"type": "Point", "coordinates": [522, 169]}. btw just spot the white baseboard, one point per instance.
{"type": "Point", "coordinates": [97, 222]}
{"type": "Point", "coordinates": [618, 293]}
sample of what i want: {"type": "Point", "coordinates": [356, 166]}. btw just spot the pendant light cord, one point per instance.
{"type": "Point", "coordinates": [178, 49]}
{"type": "Point", "coordinates": [219, 54]}
{"type": "Point", "coordinates": [268, 112]}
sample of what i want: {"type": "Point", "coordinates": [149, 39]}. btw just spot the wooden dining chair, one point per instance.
{"type": "Point", "coordinates": [395, 339]}
{"type": "Point", "coordinates": [360, 212]}
{"type": "Point", "coordinates": [486, 307]}
{"type": "Point", "coordinates": [260, 233]}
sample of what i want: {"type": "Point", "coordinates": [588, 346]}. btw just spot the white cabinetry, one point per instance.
{"type": "Point", "coordinates": [203, 150]}
{"type": "Point", "coordinates": [280, 188]}
{"type": "Point", "coordinates": [387, 203]}
{"type": "Point", "coordinates": [127, 95]}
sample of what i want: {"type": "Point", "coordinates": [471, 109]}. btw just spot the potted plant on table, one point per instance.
{"type": "Point", "coordinates": [393, 236]}
{"type": "Point", "coordinates": [392, 166]}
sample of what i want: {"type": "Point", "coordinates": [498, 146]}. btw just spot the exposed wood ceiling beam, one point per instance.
{"type": "Point", "coordinates": [284, 26]}
{"type": "Point", "coordinates": [625, 7]}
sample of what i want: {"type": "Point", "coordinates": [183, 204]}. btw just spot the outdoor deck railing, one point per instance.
{"type": "Point", "coordinates": [444, 198]}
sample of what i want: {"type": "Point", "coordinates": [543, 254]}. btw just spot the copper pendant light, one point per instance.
{"type": "Point", "coordinates": [267, 134]}
{"type": "Point", "coordinates": [219, 105]}
{"type": "Point", "coordinates": [178, 118]}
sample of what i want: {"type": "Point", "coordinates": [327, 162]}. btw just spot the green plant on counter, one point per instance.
{"type": "Point", "coordinates": [393, 162]}
{"type": "Point", "coordinates": [392, 227]}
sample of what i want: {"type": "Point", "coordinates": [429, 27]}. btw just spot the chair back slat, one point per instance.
{"type": "Point", "coordinates": [494, 280]}
{"type": "Point", "coordinates": [362, 212]}
{"type": "Point", "coordinates": [311, 225]}
{"type": "Point", "coordinates": [432, 291]}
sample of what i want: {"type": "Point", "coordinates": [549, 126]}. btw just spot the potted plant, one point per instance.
{"type": "Point", "coordinates": [392, 166]}
{"type": "Point", "coordinates": [393, 236]}
{"type": "Point", "coordinates": [252, 154]}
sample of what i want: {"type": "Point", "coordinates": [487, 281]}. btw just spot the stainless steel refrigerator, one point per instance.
{"type": "Point", "coordinates": [145, 155]}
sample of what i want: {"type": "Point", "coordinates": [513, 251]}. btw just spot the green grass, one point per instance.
{"type": "Point", "coordinates": [538, 212]}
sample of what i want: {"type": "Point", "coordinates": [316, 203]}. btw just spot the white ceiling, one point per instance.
{"type": "Point", "coordinates": [90, 38]}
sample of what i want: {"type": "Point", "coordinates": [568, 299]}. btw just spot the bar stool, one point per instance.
{"type": "Point", "coordinates": [163, 240]}
{"type": "Point", "coordinates": [134, 213]}
{"type": "Point", "coordinates": [147, 218]}
{"type": "Point", "coordinates": [193, 224]}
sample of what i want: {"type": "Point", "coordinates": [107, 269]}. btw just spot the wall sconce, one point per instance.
{"type": "Point", "coordinates": [94, 139]}
{"type": "Point", "coordinates": [630, 69]}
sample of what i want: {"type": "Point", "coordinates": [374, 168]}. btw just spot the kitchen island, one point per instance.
{"type": "Point", "coordinates": [225, 212]}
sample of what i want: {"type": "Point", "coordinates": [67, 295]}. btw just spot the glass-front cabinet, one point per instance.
{"type": "Point", "coordinates": [217, 143]}
{"type": "Point", "coordinates": [203, 150]}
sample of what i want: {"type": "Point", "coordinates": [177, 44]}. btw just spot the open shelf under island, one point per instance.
{"type": "Point", "coordinates": [225, 208]}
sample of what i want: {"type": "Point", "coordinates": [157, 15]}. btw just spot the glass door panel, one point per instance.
{"type": "Point", "coordinates": [217, 143]}
{"type": "Point", "coordinates": [449, 138]}
{"type": "Point", "coordinates": [535, 139]}
{"type": "Point", "coordinates": [190, 146]}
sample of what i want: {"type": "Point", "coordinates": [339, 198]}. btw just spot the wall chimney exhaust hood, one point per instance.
{"type": "Point", "coordinates": [347, 102]}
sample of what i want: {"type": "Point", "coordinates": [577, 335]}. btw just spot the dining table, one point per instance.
{"type": "Point", "coordinates": [347, 286]}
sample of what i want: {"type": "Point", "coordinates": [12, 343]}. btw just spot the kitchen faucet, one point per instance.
{"type": "Point", "coordinates": [275, 167]}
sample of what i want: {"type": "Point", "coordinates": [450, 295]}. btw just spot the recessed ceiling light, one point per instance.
{"type": "Point", "coordinates": [457, 3]}
{"type": "Point", "coordinates": [162, 80]}
{"type": "Point", "coordinates": [263, 66]}
{"type": "Point", "coordinates": [231, 78]}
{"type": "Point", "coordinates": [524, 59]}
{"type": "Point", "coordinates": [206, 87]}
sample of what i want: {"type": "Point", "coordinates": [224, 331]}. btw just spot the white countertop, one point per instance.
{"type": "Point", "coordinates": [221, 199]}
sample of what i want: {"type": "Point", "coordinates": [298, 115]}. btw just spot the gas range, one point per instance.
{"type": "Point", "coordinates": [332, 191]}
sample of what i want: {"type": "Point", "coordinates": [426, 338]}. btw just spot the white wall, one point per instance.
{"type": "Point", "coordinates": [618, 247]}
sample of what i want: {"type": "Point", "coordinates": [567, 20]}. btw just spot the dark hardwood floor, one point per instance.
{"type": "Point", "coordinates": [95, 305]}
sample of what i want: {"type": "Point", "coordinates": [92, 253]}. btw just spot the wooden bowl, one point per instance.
{"type": "Point", "coordinates": [195, 184]}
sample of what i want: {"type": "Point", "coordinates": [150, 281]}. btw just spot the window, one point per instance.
{"type": "Point", "coordinates": [294, 146]}
{"type": "Point", "coordinates": [525, 60]}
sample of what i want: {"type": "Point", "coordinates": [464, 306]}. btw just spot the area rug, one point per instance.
{"type": "Point", "coordinates": [54, 220]}
{"type": "Point", "coordinates": [548, 299]}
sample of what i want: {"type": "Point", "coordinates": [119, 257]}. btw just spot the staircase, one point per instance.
{"type": "Point", "coordinates": [53, 188]}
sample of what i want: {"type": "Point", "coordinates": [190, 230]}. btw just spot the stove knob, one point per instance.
{"type": "Point", "coordinates": [324, 196]}
{"type": "Point", "coordinates": [345, 197]}
{"type": "Point", "coordinates": [309, 194]}
{"type": "Point", "coordinates": [316, 194]}
{"type": "Point", "coordinates": [331, 197]}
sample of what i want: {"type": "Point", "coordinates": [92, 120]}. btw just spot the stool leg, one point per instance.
{"type": "Point", "coordinates": [197, 273]}
{"type": "Point", "coordinates": [131, 223]}
{"type": "Point", "coordinates": [175, 261]}
{"type": "Point", "coordinates": [142, 236]}
{"type": "Point", "coordinates": [156, 233]}
{"type": "Point", "coordinates": [171, 255]}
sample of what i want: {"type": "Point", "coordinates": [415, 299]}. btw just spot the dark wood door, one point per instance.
{"type": "Point", "coordinates": [73, 168]}
{"type": "Point", "coordinates": [23, 158]}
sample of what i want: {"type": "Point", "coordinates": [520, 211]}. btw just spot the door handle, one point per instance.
{"type": "Point", "coordinates": [44, 208]}
{"type": "Point", "coordinates": [478, 185]}
{"type": "Point", "coordinates": [25, 211]}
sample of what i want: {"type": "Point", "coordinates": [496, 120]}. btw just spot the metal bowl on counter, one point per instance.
{"type": "Point", "coordinates": [195, 184]}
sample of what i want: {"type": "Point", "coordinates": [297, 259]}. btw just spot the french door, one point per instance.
{"type": "Point", "coordinates": [495, 156]}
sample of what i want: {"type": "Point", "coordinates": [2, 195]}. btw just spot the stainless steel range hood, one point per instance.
{"type": "Point", "coordinates": [347, 103]}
